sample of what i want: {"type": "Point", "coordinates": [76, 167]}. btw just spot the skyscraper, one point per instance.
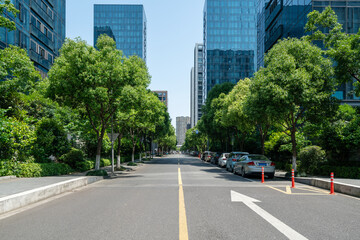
{"type": "Point", "coordinates": [229, 41]}
{"type": "Point", "coordinates": [126, 24]}
{"type": "Point", "coordinates": [40, 29]}
{"type": "Point", "coordinates": [197, 79]}
{"type": "Point", "coordinates": [182, 125]}
{"type": "Point", "coordinates": [163, 96]}
{"type": "Point", "coordinates": [279, 19]}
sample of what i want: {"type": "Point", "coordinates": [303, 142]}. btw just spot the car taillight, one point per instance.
{"type": "Point", "coordinates": [272, 164]}
{"type": "Point", "coordinates": [251, 163]}
{"type": "Point", "coordinates": [224, 158]}
{"type": "Point", "coordinates": [234, 159]}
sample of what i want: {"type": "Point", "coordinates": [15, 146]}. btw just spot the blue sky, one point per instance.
{"type": "Point", "coordinates": [173, 28]}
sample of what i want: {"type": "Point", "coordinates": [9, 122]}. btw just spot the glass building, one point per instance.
{"type": "Point", "coordinates": [277, 19]}
{"type": "Point", "coordinates": [196, 85]}
{"type": "Point", "coordinates": [126, 24]}
{"type": "Point", "coordinates": [229, 41]}
{"type": "Point", "coordinates": [40, 29]}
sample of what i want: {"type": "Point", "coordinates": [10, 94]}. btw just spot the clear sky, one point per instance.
{"type": "Point", "coordinates": [173, 28]}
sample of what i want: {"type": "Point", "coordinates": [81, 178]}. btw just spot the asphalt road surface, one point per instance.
{"type": "Point", "coordinates": [180, 197]}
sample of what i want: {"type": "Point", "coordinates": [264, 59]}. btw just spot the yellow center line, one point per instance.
{"type": "Point", "coordinates": [183, 230]}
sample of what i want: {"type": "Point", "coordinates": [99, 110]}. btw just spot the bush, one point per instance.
{"type": "Point", "coordinates": [97, 173]}
{"type": "Point", "coordinates": [340, 172]}
{"type": "Point", "coordinates": [31, 169]}
{"type": "Point", "coordinates": [132, 164]}
{"type": "Point", "coordinates": [73, 157]}
{"type": "Point", "coordinates": [311, 157]}
{"type": "Point", "coordinates": [105, 162]}
{"type": "Point", "coordinates": [85, 166]}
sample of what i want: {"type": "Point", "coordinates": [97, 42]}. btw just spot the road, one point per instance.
{"type": "Point", "coordinates": [180, 197]}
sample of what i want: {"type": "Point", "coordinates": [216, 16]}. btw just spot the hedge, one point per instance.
{"type": "Point", "coordinates": [33, 169]}
{"type": "Point", "coordinates": [339, 172]}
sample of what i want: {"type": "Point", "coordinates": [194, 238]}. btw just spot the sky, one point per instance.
{"type": "Point", "coordinates": [173, 28]}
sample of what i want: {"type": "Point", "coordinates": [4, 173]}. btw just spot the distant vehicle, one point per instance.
{"type": "Point", "coordinates": [208, 155]}
{"type": "Point", "coordinates": [215, 158]}
{"type": "Point", "coordinates": [232, 159]}
{"type": "Point", "coordinates": [252, 165]}
{"type": "Point", "coordinates": [222, 159]}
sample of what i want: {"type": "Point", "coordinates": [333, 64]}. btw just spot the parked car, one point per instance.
{"type": "Point", "coordinates": [233, 158]}
{"type": "Point", "coordinates": [222, 159]}
{"type": "Point", "coordinates": [215, 158]}
{"type": "Point", "coordinates": [252, 165]}
{"type": "Point", "coordinates": [207, 156]}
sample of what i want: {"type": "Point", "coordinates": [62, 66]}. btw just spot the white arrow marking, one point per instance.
{"type": "Point", "coordinates": [279, 225]}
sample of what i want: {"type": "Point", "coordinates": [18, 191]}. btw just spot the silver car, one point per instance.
{"type": "Point", "coordinates": [222, 159]}
{"type": "Point", "coordinates": [252, 165]}
{"type": "Point", "coordinates": [233, 158]}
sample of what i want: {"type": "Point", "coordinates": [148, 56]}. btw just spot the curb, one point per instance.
{"type": "Point", "coordinates": [343, 188]}
{"type": "Point", "coordinates": [7, 177]}
{"type": "Point", "coordinates": [22, 199]}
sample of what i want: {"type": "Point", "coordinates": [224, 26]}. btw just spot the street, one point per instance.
{"type": "Point", "coordinates": [181, 197]}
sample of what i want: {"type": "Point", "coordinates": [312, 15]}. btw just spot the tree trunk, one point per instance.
{"type": "Point", "coordinates": [118, 162]}
{"type": "Point", "coordinates": [293, 142]}
{"type": "Point", "coordinates": [98, 152]}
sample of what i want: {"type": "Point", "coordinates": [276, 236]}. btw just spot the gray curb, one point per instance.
{"type": "Point", "coordinates": [344, 188]}
{"type": "Point", "coordinates": [22, 199]}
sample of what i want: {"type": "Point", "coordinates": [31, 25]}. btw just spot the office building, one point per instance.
{"type": "Point", "coordinates": [279, 19]}
{"type": "Point", "coordinates": [163, 96]}
{"type": "Point", "coordinates": [229, 41]}
{"type": "Point", "coordinates": [40, 29]}
{"type": "Point", "coordinates": [182, 125]}
{"type": "Point", "coordinates": [197, 79]}
{"type": "Point", "coordinates": [125, 23]}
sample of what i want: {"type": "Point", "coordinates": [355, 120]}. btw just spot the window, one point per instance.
{"type": "Point", "coordinates": [42, 52]}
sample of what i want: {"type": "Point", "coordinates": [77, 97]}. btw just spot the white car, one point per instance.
{"type": "Point", "coordinates": [222, 159]}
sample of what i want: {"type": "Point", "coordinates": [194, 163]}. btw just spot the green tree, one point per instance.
{"type": "Point", "coordinates": [92, 81]}
{"type": "Point", "coordinates": [343, 48]}
{"type": "Point", "coordinates": [231, 112]}
{"type": "Point", "coordinates": [6, 5]}
{"type": "Point", "coordinates": [297, 87]}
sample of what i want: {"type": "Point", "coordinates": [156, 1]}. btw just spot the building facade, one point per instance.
{"type": "Point", "coordinates": [197, 80]}
{"type": "Point", "coordinates": [40, 29]}
{"type": "Point", "coordinates": [125, 23]}
{"type": "Point", "coordinates": [182, 125]}
{"type": "Point", "coordinates": [163, 96]}
{"type": "Point", "coordinates": [229, 41]}
{"type": "Point", "coordinates": [279, 19]}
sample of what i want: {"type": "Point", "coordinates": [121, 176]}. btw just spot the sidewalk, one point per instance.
{"type": "Point", "coordinates": [19, 192]}
{"type": "Point", "coordinates": [341, 185]}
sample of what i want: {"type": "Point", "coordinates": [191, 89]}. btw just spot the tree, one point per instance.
{"type": "Point", "coordinates": [195, 139]}
{"type": "Point", "coordinates": [92, 81]}
{"type": "Point", "coordinates": [230, 110]}
{"type": "Point", "coordinates": [343, 48]}
{"type": "Point", "coordinates": [216, 132]}
{"type": "Point", "coordinates": [6, 5]}
{"type": "Point", "coordinates": [297, 87]}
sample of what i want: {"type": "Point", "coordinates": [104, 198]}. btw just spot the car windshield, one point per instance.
{"type": "Point", "coordinates": [227, 155]}
{"type": "Point", "coordinates": [258, 157]}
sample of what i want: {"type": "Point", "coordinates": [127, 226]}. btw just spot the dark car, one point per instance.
{"type": "Point", "coordinates": [215, 158]}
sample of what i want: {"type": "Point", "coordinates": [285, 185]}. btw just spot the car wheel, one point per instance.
{"type": "Point", "coordinates": [233, 170]}
{"type": "Point", "coordinates": [271, 176]}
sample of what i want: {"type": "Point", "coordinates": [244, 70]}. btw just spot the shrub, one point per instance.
{"type": "Point", "coordinates": [340, 172]}
{"type": "Point", "coordinates": [84, 166]}
{"type": "Point", "coordinates": [311, 157]}
{"type": "Point", "coordinates": [105, 162]}
{"type": "Point", "coordinates": [97, 173]}
{"type": "Point", "coordinates": [132, 164]}
{"type": "Point", "coordinates": [31, 169]}
{"type": "Point", "coordinates": [73, 157]}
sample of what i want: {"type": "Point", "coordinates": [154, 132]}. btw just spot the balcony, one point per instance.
{"type": "Point", "coordinates": [42, 37]}
{"type": "Point", "coordinates": [39, 59]}
{"type": "Point", "coordinates": [35, 7]}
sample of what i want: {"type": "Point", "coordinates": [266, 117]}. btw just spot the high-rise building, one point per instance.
{"type": "Point", "coordinates": [182, 125]}
{"type": "Point", "coordinates": [279, 19]}
{"type": "Point", "coordinates": [197, 79]}
{"type": "Point", "coordinates": [163, 96]}
{"type": "Point", "coordinates": [125, 23]}
{"type": "Point", "coordinates": [40, 29]}
{"type": "Point", "coordinates": [229, 41]}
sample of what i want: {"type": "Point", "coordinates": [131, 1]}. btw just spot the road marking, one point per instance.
{"type": "Point", "coordinates": [313, 191]}
{"type": "Point", "coordinates": [279, 225]}
{"type": "Point", "coordinates": [288, 190]}
{"type": "Point", "coordinates": [183, 230]}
